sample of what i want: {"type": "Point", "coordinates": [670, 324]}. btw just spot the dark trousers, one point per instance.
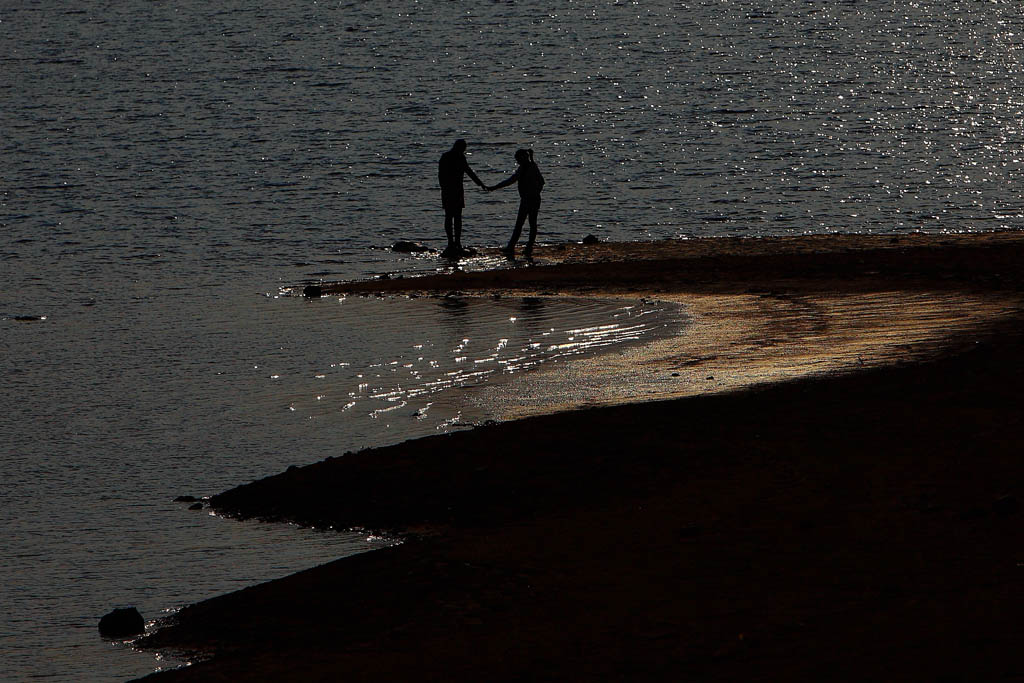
{"type": "Point", "coordinates": [453, 200]}
{"type": "Point", "coordinates": [529, 207]}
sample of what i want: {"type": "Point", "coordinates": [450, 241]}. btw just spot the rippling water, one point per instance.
{"type": "Point", "coordinates": [168, 167]}
{"type": "Point", "coordinates": [439, 345]}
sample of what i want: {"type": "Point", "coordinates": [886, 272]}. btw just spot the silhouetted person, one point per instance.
{"type": "Point", "coordinates": [450, 170]}
{"type": "Point", "coordinates": [531, 182]}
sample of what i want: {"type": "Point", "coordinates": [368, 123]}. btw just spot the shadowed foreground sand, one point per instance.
{"type": "Point", "coordinates": [820, 480]}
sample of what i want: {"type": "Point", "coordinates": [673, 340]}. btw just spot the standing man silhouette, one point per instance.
{"type": "Point", "coordinates": [450, 170]}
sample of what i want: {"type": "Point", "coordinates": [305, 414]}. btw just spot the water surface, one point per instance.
{"type": "Point", "coordinates": [169, 167]}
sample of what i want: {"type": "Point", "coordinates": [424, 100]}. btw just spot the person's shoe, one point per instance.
{"type": "Point", "coordinates": [510, 252]}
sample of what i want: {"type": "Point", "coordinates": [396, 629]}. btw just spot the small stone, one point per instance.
{"type": "Point", "coordinates": [313, 291]}
{"type": "Point", "coordinates": [195, 506]}
{"type": "Point", "coordinates": [185, 499]}
{"type": "Point", "coordinates": [590, 239]}
{"type": "Point", "coordinates": [409, 247]}
{"type": "Point", "coordinates": [1005, 506]}
{"type": "Point", "coordinates": [122, 622]}
{"type": "Point", "coordinates": [689, 531]}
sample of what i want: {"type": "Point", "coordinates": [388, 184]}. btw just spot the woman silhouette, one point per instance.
{"type": "Point", "coordinates": [530, 184]}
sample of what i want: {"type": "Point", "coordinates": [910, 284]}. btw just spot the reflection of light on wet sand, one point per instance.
{"type": "Point", "coordinates": [463, 342]}
{"type": "Point", "coordinates": [739, 341]}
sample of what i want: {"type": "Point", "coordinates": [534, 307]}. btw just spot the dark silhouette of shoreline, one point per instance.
{"type": "Point", "coordinates": [846, 527]}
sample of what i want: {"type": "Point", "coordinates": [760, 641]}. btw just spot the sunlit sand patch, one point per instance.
{"type": "Point", "coordinates": [740, 341]}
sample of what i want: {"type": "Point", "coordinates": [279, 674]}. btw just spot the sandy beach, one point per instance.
{"type": "Point", "coordinates": [819, 479]}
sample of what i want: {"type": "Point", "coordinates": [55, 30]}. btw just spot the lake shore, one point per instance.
{"type": "Point", "coordinates": [819, 480]}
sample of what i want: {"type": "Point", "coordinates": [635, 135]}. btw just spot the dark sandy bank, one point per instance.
{"type": "Point", "coordinates": [863, 525]}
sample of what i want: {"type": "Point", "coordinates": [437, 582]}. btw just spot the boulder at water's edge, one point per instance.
{"type": "Point", "coordinates": [121, 623]}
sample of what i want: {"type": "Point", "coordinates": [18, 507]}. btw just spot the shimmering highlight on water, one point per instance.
{"type": "Point", "coordinates": [165, 163]}
{"type": "Point", "coordinates": [451, 342]}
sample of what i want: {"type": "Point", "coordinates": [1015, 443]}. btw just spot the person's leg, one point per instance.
{"type": "Point", "coordinates": [457, 228]}
{"type": "Point", "coordinates": [518, 230]}
{"type": "Point", "coordinates": [534, 210]}
{"type": "Point", "coordinates": [448, 228]}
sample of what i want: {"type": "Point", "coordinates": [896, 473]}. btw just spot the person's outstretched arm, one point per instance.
{"type": "Point", "coordinates": [472, 176]}
{"type": "Point", "coordinates": [506, 183]}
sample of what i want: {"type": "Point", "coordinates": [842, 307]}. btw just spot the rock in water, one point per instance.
{"type": "Point", "coordinates": [408, 247]}
{"type": "Point", "coordinates": [313, 291]}
{"type": "Point", "coordinates": [590, 239]}
{"type": "Point", "coordinates": [122, 622]}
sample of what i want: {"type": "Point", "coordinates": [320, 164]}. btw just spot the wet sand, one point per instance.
{"type": "Point", "coordinates": [820, 479]}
